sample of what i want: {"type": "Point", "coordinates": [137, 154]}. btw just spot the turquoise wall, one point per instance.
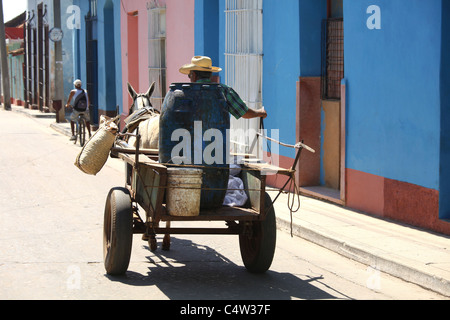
{"type": "Point", "coordinates": [15, 68]}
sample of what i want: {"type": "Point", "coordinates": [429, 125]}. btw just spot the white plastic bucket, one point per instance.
{"type": "Point", "coordinates": [183, 192]}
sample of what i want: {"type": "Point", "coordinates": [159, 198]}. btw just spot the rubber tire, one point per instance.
{"type": "Point", "coordinates": [257, 251]}
{"type": "Point", "coordinates": [117, 231]}
{"type": "Point", "coordinates": [82, 132]}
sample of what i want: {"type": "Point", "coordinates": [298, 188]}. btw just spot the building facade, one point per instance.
{"type": "Point", "coordinates": [14, 36]}
{"type": "Point", "coordinates": [157, 38]}
{"type": "Point", "coordinates": [364, 83]}
{"type": "Point", "coordinates": [97, 53]}
{"type": "Point", "coordinates": [48, 60]}
{"type": "Point", "coordinates": [396, 87]}
{"type": "Point", "coordinates": [68, 40]}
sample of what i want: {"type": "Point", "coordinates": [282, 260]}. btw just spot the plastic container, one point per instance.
{"type": "Point", "coordinates": [196, 108]}
{"type": "Point", "coordinates": [183, 192]}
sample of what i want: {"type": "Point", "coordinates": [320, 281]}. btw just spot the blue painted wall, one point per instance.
{"type": "Point", "coordinates": [109, 58]}
{"type": "Point", "coordinates": [312, 12]}
{"type": "Point", "coordinates": [396, 84]}
{"type": "Point", "coordinates": [281, 67]}
{"type": "Point", "coordinates": [207, 29]}
{"type": "Point", "coordinates": [78, 42]}
{"type": "Point", "coordinates": [281, 62]}
{"type": "Point", "coordinates": [444, 192]}
{"type": "Point", "coordinates": [393, 79]}
{"type": "Point", "coordinates": [69, 46]}
{"type": "Point", "coordinates": [109, 62]}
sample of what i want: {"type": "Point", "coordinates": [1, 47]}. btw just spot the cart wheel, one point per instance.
{"type": "Point", "coordinates": [258, 240]}
{"type": "Point", "coordinates": [117, 231]}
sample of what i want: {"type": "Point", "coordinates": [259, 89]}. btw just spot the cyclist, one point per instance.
{"type": "Point", "coordinates": [81, 105]}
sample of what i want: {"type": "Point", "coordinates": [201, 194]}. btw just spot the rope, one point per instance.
{"type": "Point", "coordinates": [290, 203]}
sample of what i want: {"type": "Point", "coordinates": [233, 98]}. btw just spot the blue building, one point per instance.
{"type": "Point", "coordinates": [96, 43]}
{"type": "Point", "coordinates": [365, 83]}
{"type": "Point", "coordinates": [68, 40]}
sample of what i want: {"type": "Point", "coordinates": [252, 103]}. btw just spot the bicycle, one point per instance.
{"type": "Point", "coordinates": [80, 129]}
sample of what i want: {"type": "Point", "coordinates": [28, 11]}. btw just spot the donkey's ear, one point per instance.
{"type": "Point", "coordinates": [131, 91]}
{"type": "Point", "coordinates": [150, 90]}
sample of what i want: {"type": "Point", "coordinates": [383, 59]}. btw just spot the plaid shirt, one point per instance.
{"type": "Point", "coordinates": [235, 105]}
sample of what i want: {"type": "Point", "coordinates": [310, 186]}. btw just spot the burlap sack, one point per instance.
{"type": "Point", "coordinates": [95, 152]}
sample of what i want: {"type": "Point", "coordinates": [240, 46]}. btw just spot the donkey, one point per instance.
{"type": "Point", "coordinates": [149, 131]}
{"type": "Point", "coordinates": [149, 128]}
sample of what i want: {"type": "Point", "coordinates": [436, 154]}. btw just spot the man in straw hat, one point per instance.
{"type": "Point", "coordinates": [200, 70]}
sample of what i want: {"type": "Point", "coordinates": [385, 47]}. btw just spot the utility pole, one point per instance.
{"type": "Point", "coordinates": [4, 60]}
{"type": "Point", "coordinates": [58, 98]}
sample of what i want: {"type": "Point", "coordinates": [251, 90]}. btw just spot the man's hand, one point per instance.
{"type": "Point", "coordinates": [262, 113]}
{"type": "Point", "coordinates": [251, 113]}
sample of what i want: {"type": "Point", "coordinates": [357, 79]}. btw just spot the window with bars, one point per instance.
{"type": "Point", "coordinates": [332, 57]}
{"type": "Point", "coordinates": [157, 51]}
{"type": "Point", "coordinates": [93, 8]}
{"type": "Point", "coordinates": [243, 66]}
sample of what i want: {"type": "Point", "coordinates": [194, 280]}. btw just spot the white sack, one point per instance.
{"type": "Point", "coordinates": [237, 196]}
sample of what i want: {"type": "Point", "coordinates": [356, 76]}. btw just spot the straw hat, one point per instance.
{"type": "Point", "coordinates": [199, 63]}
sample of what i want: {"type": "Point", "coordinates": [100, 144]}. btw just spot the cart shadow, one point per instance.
{"type": "Point", "coordinates": [191, 271]}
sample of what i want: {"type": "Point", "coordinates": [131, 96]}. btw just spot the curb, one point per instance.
{"type": "Point", "coordinates": [372, 257]}
{"type": "Point", "coordinates": [61, 129]}
{"type": "Point", "coordinates": [369, 257]}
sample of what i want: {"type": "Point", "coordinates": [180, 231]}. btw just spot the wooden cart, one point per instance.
{"type": "Point", "coordinates": [146, 184]}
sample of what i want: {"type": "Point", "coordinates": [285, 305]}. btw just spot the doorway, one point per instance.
{"type": "Point", "coordinates": [330, 164]}
{"type": "Point", "coordinates": [43, 56]}
{"type": "Point", "coordinates": [92, 60]}
{"type": "Point", "coordinates": [110, 57]}
{"type": "Point", "coordinates": [132, 54]}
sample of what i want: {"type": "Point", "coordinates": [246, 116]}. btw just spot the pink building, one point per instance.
{"type": "Point", "coordinates": [157, 38]}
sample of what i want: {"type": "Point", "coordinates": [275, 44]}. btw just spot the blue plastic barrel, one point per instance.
{"type": "Point", "coordinates": [188, 112]}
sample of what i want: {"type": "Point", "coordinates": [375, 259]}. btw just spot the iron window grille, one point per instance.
{"type": "Point", "coordinates": [332, 58]}
{"type": "Point", "coordinates": [157, 51]}
{"type": "Point", "coordinates": [243, 66]}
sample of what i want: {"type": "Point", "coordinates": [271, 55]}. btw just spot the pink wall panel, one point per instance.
{"type": "Point", "coordinates": [180, 38]}
{"type": "Point", "coordinates": [365, 192]}
{"type": "Point", "coordinates": [179, 42]}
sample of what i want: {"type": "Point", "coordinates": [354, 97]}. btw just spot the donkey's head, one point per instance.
{"type": "Point", "coordinates": [141, 100]}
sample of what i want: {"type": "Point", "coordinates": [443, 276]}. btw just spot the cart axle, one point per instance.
{"type": "Point", "coordinates": [195, 231]}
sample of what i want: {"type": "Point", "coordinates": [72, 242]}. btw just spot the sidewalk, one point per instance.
{"type": "Point", "coordinates": [408, 253]}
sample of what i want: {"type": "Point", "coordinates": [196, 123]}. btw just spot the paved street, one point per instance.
{"type": "Point", "coordinates": [51, 241]}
